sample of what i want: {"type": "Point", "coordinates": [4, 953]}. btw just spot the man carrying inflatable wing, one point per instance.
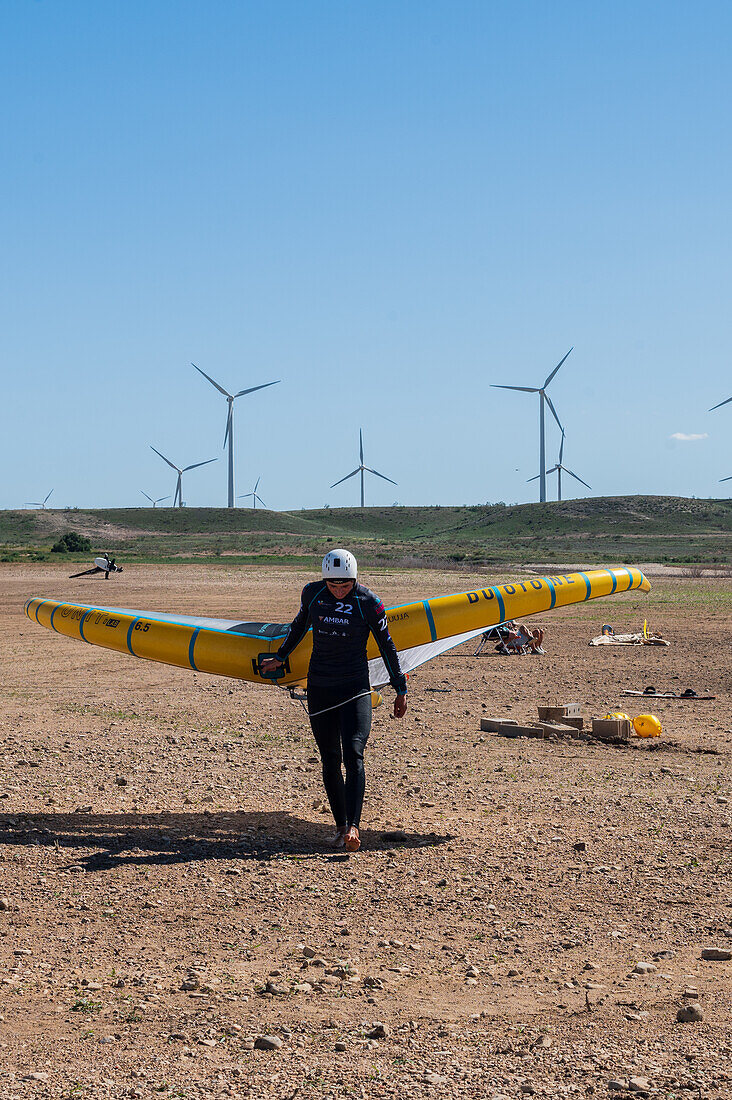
{"type": "Point", "coordinates": [342, 614]}
{"type": "Point", "coordinates": [103, 564]}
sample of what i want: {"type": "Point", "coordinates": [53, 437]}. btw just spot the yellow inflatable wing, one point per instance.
{"type": "Point", "coordinates": [420, 630]}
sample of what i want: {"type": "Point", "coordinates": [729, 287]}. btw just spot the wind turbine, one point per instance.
{"type": "Point", "coordinates": [543, 397]}
{"type": "Point", "coordinates": [37, 504]}
{"type": "Point", "coordinates": [254, 495]}
{"type": "Point", "coordinates": [360, 469]}
{"type": "Point", "coordinates": [559, 467]}
{"type": "Point", "coordinates": [229, 433]}
{"type": "Point", "coordinates": [158, 499]}
{"type": "Point", "coordinates": [178, 498]}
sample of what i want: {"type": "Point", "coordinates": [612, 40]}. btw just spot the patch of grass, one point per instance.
{"type": "Point", "coordinates": [87, 1006]}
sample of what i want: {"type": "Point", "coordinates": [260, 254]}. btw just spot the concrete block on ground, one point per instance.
{"type": "Point", "coordinates": [492, 725]}
{"type": "Point", "coordinates": [557, 712]}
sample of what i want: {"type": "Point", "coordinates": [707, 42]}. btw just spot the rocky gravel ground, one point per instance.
{"type": "Point", "coordinates": [526, 918]}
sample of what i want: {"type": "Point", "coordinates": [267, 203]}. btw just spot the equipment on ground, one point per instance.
{"type": "Point", "coordinates": [421, 630]}
{"type": "Point", "coordinates": [647, 725]}
{"type": "Point", "coordinates": [651, 693]}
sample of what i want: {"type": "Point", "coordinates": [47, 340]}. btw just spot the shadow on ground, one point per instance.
{"type": "Point", "coordinates": [167, 838]}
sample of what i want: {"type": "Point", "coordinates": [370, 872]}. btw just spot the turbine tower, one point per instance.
{"type": "Point", "coordinates": [229, 433]}
{"type": "Point", "coordinates": [178, 498]}
{"type": "Point", "coordinates": [254, 495]}
{"type": "Point", "coordinates": [719, 406]}
{"type": "Point", "coordinates": [37, 503]}
{"type": "Point", "coordinates": [155, 501]}
{"type": "Point", "coordinates": [543, 397]}
{"type": "Point", "coordinates": [559, 467]}
{"type": "Point", "coordinates": [360, 469]}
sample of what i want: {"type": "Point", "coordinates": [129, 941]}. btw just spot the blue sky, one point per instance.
{"type": "Point", "coordinates": [389, 206]}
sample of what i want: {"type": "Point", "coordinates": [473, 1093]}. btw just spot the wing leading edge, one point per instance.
{"type": "Point", "coordinates": [421, 630]}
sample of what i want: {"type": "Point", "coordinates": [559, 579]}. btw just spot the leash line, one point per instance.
{"type": "Point", "coordinates": [325, 710]}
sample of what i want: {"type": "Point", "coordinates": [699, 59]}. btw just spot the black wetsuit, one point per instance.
{"type": "Point", "coordinates": [338, 671]}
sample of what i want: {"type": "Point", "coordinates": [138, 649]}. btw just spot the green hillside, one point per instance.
{"type": "Point", "coordinates": [665, 529]}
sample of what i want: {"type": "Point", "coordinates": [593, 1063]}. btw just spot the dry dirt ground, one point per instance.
{"type": "Point", "coordinates": [168, 898]}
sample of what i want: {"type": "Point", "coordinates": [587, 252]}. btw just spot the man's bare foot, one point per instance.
{"type": "Point", "coordinates": [352, 840]}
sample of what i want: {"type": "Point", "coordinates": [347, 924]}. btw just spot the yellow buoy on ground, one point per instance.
{"type": "Point", "coordinates": [647, 725]}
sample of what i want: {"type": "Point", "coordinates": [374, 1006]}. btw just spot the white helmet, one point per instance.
{"type": "Point", "coordinates": [339, 565]}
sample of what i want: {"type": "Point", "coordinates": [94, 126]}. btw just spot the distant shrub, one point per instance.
{"type": "Point", "coordinates": [71, 543]}
{"type": "Point", "coordinates": [692, 571]}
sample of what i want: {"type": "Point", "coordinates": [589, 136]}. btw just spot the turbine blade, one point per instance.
{"type": "Point", "coordinates": [253, 388]}
{"type": "Point", "coordinates": [178, 490]}
{"type": "Point", "coordinates": [147, 497]}
{"type": "Point", "coordinates": [379, 475]}
{"type": "Point", "coordinates": [157, 452]}
{"type": "Point", "coordinates": [48, 496]}
{"type": "Point", "coordinates": [218, 387]}
{"type": "Point", "coordinates": [229, 418]}
{"type": "Point", "coordinates": [356, 471]}
{"type": "Point", "coordinates": [719, 406]}
{"type": "Point", "coordinates": [548, 400]}
{"type": "Point", "coordinates": [524, 389]}
{"type": "Point", "coordinates": [568, 471]}
{"type": "Point", "coordinates": [561, 450]}
{"type": "Point", "coordinates": [159, 499]}
{"type": "Point", "coordinates": [546, 474]}
{"type": "Point", "coordinates": [725, 478]}
{"type": "Point", "coordinates": [260, 501]}
{"type": "Point", "coordinates": [197, 464]}
{"type": "Point", "coordinates": [256, 485]}
{"type": "Point", "coordinates": [360, 444]}
{"type": "Point", "coordinates": [556, 368]}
